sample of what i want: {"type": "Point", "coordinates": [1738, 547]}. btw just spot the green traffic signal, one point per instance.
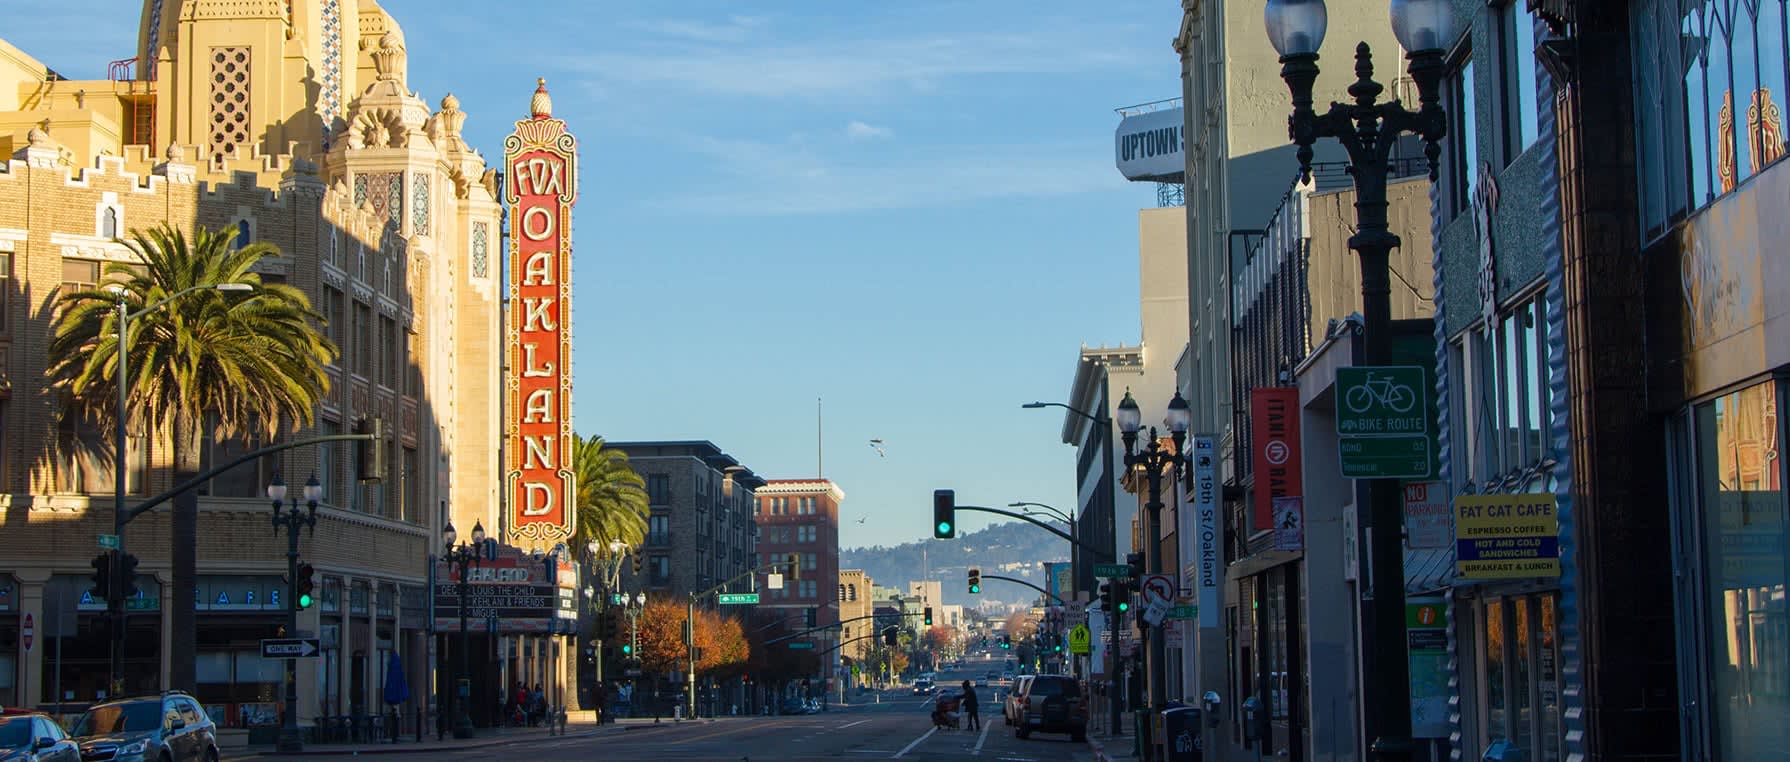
{"type": "Point", "coordinates": [944, 514]}
{"type": "Point", "coordinates": [945, 528]}
{"type": "Point", "coordinates": [975, 589]}
{"type": "Point", "coordinates": [304, 601]}
{"type": "Point", "coordinates": [1124, 606]}
{"type": "Point", "coordinates": [627, 649]}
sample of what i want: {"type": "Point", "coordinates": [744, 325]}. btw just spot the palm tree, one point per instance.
{"type": "Point", "coordinates": [250, 362]}
{"type": "Point", "coordinates": [612, 503]}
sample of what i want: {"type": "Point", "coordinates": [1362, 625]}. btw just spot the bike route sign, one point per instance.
{"type": "Point", "coordinates": [1383, 422]}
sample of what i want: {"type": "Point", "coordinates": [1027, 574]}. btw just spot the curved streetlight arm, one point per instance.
{"type": "Point", "coordinates": [840, 623]}
{"type": "Point", "coordinates": [1075, 410]}
{"type": "Point", "coordinates": [1022, 517]}
{"type": "Point", "coordinates": [1027, 584]}
{"type": "Point", "coordinates": [1048, 510]}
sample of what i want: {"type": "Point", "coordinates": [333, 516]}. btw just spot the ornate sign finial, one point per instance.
{"type": "Point", "coordinates": [542, 104]}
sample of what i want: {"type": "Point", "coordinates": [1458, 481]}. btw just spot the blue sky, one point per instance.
{"type": "Point", "coordinates": [908, 209]}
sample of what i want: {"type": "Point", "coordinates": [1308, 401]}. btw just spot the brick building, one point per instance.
{"type": "Point", "coordinates": [855, 601]}
{"type": "Point", "coordinates": [294, 123]}
{"type": "Point", "coordinates": [801, 516]}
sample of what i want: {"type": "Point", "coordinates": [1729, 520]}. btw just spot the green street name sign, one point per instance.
{"type": "Point", "coordinates": [1382, 401]}
{"type": "Point", "coordinates": [108, 541]}
{"type": "Point", "coordinates": [1401, 457]}
{"type": "Point", "coordinates": [801, 645]}
{"type": "Point", "coordinates": [142, 604]}
{"type": "Point", "coordinates": [738, 598]}
{"type": "Point", "coordinates": [1113, 571]}
{"type": "Point", "coordinates": [1184, 613]}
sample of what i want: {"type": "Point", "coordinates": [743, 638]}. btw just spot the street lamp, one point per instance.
{"type": "Point", "coordinates": [461, 557]}
{"type": "Point", "coordinates": [124, 315]}
{"type": "Point", "coordinates": [1368, 129]}
{"type": "Point", "coordinates": [1154, 460]}
{"type": "Point", "coordinates": [292, 519]}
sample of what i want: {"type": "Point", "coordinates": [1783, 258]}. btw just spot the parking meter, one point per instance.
{"type": "Point", "coordinates": [1211, 704]}
{"type": "Point", "coordinates": [1252, 719]}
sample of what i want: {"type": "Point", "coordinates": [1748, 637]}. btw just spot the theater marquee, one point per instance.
{"type": "Point", "coordinates": [540, 186]}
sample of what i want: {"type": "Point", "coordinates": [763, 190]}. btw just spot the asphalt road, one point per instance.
{"type": "Point", "coordinates": [897, 728]}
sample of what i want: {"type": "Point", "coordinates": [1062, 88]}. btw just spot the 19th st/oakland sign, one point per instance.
{"type": "Point", "coordinates": [540, 160]}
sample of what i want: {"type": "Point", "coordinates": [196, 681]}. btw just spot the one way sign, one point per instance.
{"type": "Point", "coordinates": [289, 648]}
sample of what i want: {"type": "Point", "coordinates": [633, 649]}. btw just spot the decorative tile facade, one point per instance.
{"type": "Point", "coordinates": [330, 99]}
{"type": "Point", "coordinates": [229, 122]}
{"type": "Point", "coordinates": [384, 189]}
{"type": "Point", "coordinates": [155, 33]}
{"type": "Point", "coordinates": [481, 249]}
{"type": "Point", "coordinates": [419, 203]}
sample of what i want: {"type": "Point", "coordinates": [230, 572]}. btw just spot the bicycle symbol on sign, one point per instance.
{"type": "Point", "coordinates": [1398, 397]}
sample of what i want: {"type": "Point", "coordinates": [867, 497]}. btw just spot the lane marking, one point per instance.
{"type": "Point", "coordinates": [849, 724]}
{"type": "Point", "coordinates": [916, 742]}
{"type": "Point", "coordinates": [727, 731]}
{"type": "Point", "coordinates": [981, 740]}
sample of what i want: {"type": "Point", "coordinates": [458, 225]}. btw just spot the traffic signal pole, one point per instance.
{"type": "Point", "coordinates": [290, 739]}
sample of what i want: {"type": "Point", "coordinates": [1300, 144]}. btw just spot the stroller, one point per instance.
{"type": "Point", "coordinates": [947, 711]}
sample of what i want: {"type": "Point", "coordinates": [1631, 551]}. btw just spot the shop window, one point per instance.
{"type": "Point", "coordinates": [1747, 645]}
{"type": "Point", "coordinates": [1463, 133]}
{"type": "Point", "coordinates": [1519, 674]}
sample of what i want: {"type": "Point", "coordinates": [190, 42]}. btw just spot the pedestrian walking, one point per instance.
{"type": "Point", "coordinates": [969, 706]}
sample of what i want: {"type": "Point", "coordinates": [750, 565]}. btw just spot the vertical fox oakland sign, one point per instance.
{"type": "Point", "coordinates": [540, 186]}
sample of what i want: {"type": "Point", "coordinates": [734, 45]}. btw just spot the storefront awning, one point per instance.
{"type": "Point", "coordinates": [1429, 570]}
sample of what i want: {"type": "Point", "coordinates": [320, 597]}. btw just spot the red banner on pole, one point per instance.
{"type": "Point", "coordinates": [540, 186]}
{"type": "Point", "coordinates": [1274, 427]}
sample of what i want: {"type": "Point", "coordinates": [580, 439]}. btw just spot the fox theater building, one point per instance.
{"type": "Point", "coordinates": [291, 122]}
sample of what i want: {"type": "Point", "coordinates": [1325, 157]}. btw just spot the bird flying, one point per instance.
{"type": "Point", "coordinates": [877, 445]}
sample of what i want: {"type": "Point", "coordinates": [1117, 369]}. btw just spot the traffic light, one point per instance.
{"type": "Point", "coordinates": [975, 582]}
{"type": "Point", "coordinates": [127, 576]}
{"type": "Point", "coordinates": [1106, 597]}
{"type": "Point", "coordinates": [305, 586]}
{"type": "Point", "coordinates": [638, 559]}
{"type": "Point", "coordinates": [102, 576]}
{"type": "Point", "coordinates": [928, 616]}
{"type": "Point", "coordinates": [627, 649]}
{"type": "Point", "coordinates": [1122, 596]}
{"type": "Point", "coordinates": [369, 456]}
{"type": "Point", "coordinates": [1136, 562]}
{"type": "Point", "coordinates": [944, 514]}
{"type": "Point", "coordinates": [792, 567]}
{"type": "Point", "coordinates": [811, 615]}
{"type": "Point", "coordinates": [606, 629]}
{"type": "Point", "coordinates": [1006, 643]}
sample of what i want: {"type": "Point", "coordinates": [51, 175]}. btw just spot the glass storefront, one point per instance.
{"type": "Point", "coordinates": [1736, 641]}
{"type": "Point", "coordinates": [1519, 675]}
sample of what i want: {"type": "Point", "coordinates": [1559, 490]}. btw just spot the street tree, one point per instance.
{"type": "Point", "coordinates": [612, 500]}
{"type": "Point", "coordinates": [241, 364]}
{"type": "Point", "coordinates": [662, 636]}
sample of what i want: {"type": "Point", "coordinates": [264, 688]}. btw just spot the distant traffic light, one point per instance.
{"type": "Point", "coordinates": [944, 514]}
{"type": "Point", "coordinates": [627, 649]}
{"type": "Point", "coordinates": [928, 616]}
{"type": "Point", "coordinates": [1006, 643]}
{"type": "Point", "coordinates": [607, 626]}
{"type": "Point", "coordinates": [102, 576]}
{"type": "Point", "coordinates": [1122, 594]}
{"type": "Point", "coordinates": [1106, 596]}
{"type": "Point", "coordinates": [975, 582]}
{"type": "Point", "coordinates": [369, 456]}
{"type": "Point", "coordinates": [305, 585]}
{"type": "Point", "coordinates": [792, 566]}
{"type": "Point", "coordinates": [638, 560]}
{"type": "Point", "coordinates": [1136, 562]}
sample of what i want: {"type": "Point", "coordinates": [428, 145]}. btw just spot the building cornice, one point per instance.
{"type": "Point", "coordinates": [803, 487]}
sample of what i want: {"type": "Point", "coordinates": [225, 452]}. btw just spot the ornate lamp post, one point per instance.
{"type": "Point", "coordinates": [1153, 460]}
{"type": "Point", "coordinates": [1367, 129]}
{"type": "Point", "coordinates": [462, 557]}
{"type": "Point", "coordinates": [293, 519]}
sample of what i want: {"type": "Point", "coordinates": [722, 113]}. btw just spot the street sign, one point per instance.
{"type": "Point", "coordinates": [1389, 457]}
{"type": "Point", "coordinates": [1429, 519]}
{"type": "Point", "coordinates": [1178, 613]}
{"type": "Point", "coordinates": [1078, 639]}
{"type": "Point", "coordinates": [28, 633]}
{"type": "Point", "coordinates": [632, 673]}
{"type": "Point", "coordinates": [290, 648]}
{"type": "Point", "coordinates": [738, 598]}
{"type": "Point", "coordinates": [141, 603]}
{"type": "Point", "coordinates": [108, 541]}
{"type": "Point", "coordinates": [1158, 588]}
{"type": "Point", "coordinates": [1113, 571]}
{"type": "Point", "coordinates": [801, 645]}
{"type": "Point", "coordinates": [1381, 401]}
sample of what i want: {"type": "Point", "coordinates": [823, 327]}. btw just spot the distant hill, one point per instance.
{"type": "Point", "coordinates": [1014, 549]}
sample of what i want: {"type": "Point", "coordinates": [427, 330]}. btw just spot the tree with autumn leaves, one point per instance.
{"type": "Point", "coordinates": [720, 640]}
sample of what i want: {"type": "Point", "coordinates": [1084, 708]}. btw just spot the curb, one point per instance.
{"type": "Point", "coordinates": [475, 744]}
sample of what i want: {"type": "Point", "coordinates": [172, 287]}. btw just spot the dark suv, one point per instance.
{"type": "Point", "coordinates": [172, 727]}
{"type": "Point", "coordinates": [1052, 704]}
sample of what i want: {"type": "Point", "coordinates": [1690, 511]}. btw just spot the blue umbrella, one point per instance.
{"type": "Point", "coordinates": [397, 690]}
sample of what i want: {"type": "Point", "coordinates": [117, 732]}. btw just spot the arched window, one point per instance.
{"type": "Point", "coordinates": [242, 233]}
{"type": "Point", "coordinates": [108, 223]}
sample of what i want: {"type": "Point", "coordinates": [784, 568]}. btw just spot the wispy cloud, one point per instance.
{"type": "Point", "coordinates": [838, 66]}
{"type": "Point", "coordinates": [860, 131]}
{"type": "Point", "coordinates": [734, 29]}
{"type": "Point", "coordinates": [796, 178]}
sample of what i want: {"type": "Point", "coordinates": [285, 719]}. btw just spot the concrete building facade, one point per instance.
{"type": "Point", "coordinates": [293, 123]}
{"type": "Point", "coordinates": [702, 528]}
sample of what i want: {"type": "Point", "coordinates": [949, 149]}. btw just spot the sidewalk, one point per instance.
{"type": "Point", "coordinates": [481, 738]}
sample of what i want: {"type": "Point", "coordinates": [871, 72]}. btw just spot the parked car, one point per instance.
{"type": "Point", "coordinates": [1053, 704]}
{"type": "Point", "coordinates": [1012, 708]}
{"type": "Point", "coordinates": [171, 727]}
{"type": "Point", "coordinates": [35, 737]}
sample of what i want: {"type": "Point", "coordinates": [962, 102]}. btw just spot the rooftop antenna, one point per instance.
{"type": "Point", "coordinates": [819, 453]}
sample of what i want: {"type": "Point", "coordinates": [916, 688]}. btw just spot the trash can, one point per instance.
{"type": "Point", "coordinates": [1181, 734]}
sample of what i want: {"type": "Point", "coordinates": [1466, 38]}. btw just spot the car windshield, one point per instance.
{"type": "Point", "coordinates": [136, 717]}
{"type": "Point", "coordinates": [15, 732]}
{"type": "Point", "coordinates": [1055, 688]}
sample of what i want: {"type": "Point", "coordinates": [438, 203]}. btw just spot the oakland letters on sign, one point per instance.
{"type": "Point", "coordinates": [540, 186]}
{"type": "Point", "coordinates": [1274, 429]}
